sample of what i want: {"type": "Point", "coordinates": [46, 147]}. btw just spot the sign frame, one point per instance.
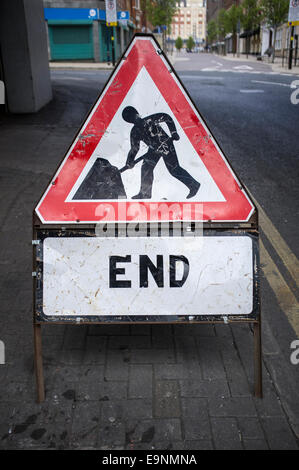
{"type": "Point", "coordinates": [81, 218]}
{"type": "Point", "coordinates": [42, 234]}
{"type": "Point", "coordinates": [43, 230]}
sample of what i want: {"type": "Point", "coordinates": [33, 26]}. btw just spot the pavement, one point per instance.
{"type": "Point", "coordinates": [155, 386]}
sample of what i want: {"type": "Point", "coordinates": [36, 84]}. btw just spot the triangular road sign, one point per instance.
{"type": "Point", "coordinates": [144, 153]}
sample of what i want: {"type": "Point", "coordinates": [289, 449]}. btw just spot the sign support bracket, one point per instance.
{"type": "Point", "coordinates": [38, 360]}
{"type": "Point", "coordinates": [258, 380]}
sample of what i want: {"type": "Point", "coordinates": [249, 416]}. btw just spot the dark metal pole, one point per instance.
{"type": "Point", "coordinates": [258, 383]}
{"type": "Point", "coordinates": [113, 49]}
{"type": "Point", "coordinates": [38, 360]}
{"type": "Point", "coordinates": [291, 47]}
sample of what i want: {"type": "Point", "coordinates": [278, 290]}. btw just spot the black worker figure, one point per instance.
{"type": "Point", "coordinates": [160, 145]}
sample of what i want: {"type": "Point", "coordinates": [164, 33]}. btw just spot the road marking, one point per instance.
{"type": "Point", "coordinates": [196, 77]}
{"type": "Point", "coordinates": [286, 255]}
{"type": "Point", "coordinates": [270, 83]}
{"type": "Point", "coordinates": [288, 258]}
{"type": "Point", "coordinates": [181, 59]}
{"type": "Point", "coordinates": [245, 72]}
{"type": "Point", "coordinates": [252, 91]}
{"type": "Point", "coordinates": [209, 69]}
{"type": "Point", "coordinates": [243, 67]}
{"type": "Point", "coordinates": [69, 78]}
{"type": "Point", "coordinates": [285, 297]}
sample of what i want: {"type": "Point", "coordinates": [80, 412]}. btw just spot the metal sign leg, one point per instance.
{"type": "Point", "coordinates": [258, 382]}
{"type": "Point", "coordinates": [38, 360]}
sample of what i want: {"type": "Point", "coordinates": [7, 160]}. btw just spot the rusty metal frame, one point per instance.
{"type": "Point", "coordinates": [39, 320]}
{"type": "Point", "coordinates": [233, 228]}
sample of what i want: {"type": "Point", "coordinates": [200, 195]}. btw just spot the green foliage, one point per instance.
{"type": "Point", "coordinates": [190, 43]}
{"type": "Point", "coordinates": [250, 14]}
{"type": "Point", "coordinates": [179, 43]}
{"type": "Point", "coordinates": [233, 15]}
{"type": "Point", "coordinates": [212, 31]}
{"type": "Point", "coordinates": [222, 23]}
{"type": "Point", "coordinates": [274, 12]}
{"type": "Point", "coordinates": [160, 12]}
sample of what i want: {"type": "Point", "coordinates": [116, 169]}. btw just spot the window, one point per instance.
{"type": "Point", "coordinates": [278, 40]}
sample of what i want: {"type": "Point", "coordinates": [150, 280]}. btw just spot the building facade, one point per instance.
{"type": "Point", "coordinates": [190, 20]}
{"type": "Point", "coordinates": [77, 30]}
{"type": "Point", "coordinates": [213, 7]}
{"type": "Point", "coordinates": [282, 42]}
{"type": "Point", "coordinates": [257, 42]}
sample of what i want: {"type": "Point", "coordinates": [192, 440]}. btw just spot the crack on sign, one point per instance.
{"type": "Point", "coordinates": [116, 87]}
{"type": "Point", "coordinates": [83, 138]}
{"type": "Point", "coordinates": [86, 136]}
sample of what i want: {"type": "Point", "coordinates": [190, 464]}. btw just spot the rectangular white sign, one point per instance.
{"type": "Point", "coordinates": [294, 11]}
{"type": "Point", "coordinates": [94, 276]}
{"type": "Point", "coordinates": [111, 15]}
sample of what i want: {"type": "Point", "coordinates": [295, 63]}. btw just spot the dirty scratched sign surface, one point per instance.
{"type": "Point", "coordinates": [128, 277]}
{"type": "Point", "coordinates": [144, 154]}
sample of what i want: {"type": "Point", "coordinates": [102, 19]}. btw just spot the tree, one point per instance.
{"type": "Point", "coordinates": [274, 12]}
{"type": "Point", "coordinates": [233, 15]}
{"type": "Point", "coordinates": [160, 13]}
{"type": "Point", "coordinates": [190, 43]}
{"type": "Point", "coordinates": [222, 23]}
{"type": "Point", "coordinates": [179, 43]}
{"type": "Point", "coordinates": [212, 31]}
{"type": "Point", "coordinates": [250, 17]}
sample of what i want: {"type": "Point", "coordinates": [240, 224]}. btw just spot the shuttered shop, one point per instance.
{"type": "Point", "coordinates": [72, 40]}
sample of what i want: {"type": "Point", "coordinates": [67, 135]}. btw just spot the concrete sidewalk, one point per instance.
{"type": "Point", "coordinates": [80, 65]}
{"type": "Point", "coordinates": [276, 67]}
{"type": "Point", "coordinates": [69, 65]}
{"type": "Point", "coordinates": [130, 386]}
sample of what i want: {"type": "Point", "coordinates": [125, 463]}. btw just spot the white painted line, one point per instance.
{"type": "Point", "coordinates": [251, 91]}
{"type": "Point", "coordinates": [270, 83]}
{"type": "Point", "coordinates": [66, 78]}
{"type": "Point", "coordinates": [243, 67]}
{"type": "Point", "coordinates": [196, 77]}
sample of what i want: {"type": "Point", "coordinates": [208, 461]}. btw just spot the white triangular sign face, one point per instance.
{"type": "Point", "coordinates": [115, 146]}
{"type": "Point", "coordinates": [144, 143]}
